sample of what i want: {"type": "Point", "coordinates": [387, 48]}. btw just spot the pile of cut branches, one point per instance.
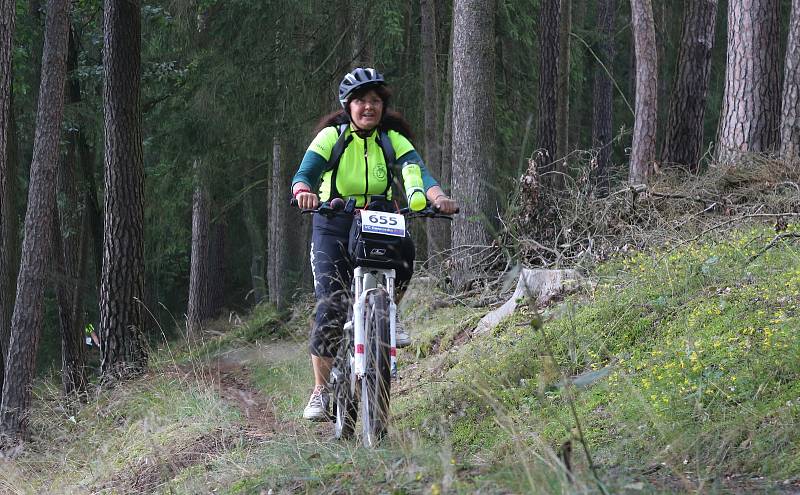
{"type": "Point", "coordinates": [575, 225]}
{"type": "Point", "coordinates": [571, 222]}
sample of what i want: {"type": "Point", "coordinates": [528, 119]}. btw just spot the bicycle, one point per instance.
{"type": "Point", "coordinates": [366, 361]}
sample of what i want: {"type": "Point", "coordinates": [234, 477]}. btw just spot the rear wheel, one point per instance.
{"type": "Point", "coordinates": [345, 403]}
{"type": "Point", "coordinates": [377, 377]}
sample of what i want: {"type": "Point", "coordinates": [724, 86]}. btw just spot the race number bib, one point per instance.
{"type": "Point", "coordinates": [381, 222]}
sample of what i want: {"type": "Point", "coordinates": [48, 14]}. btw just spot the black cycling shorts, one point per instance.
{"type": "Point", "coordinates": [332, 278]}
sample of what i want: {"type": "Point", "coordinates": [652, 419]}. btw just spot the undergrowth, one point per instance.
{"type": "Point", "coordinates": [691, 355]}
{"type": "Point", "coordinates": [676, 368]}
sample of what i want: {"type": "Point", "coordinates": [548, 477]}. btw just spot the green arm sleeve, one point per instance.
{"type": "Point", "coordinates": [315, 161]}
{"type": "Point", "coordinates": [412, 156]}
{"type": "Point", "coordinates": [311, 169]}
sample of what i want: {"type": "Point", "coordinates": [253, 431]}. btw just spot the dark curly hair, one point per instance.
{"type": "Point", "coordinates": [390, 120]}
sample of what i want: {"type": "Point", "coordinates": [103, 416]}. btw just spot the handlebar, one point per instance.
{"type": "Point", "coordinates": [337, 207]}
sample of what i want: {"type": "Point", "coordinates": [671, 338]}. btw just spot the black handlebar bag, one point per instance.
{"type": "Point", "coordinates": [379, 250]}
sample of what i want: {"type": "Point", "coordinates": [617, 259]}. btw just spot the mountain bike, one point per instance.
{"type": "Point", "coordinates": [366, 361]}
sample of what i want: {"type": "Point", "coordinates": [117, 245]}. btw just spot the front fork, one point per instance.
{"type": "Point", "coordinates": [365, 281]}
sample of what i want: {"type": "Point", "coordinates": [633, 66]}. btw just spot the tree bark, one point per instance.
{"type": "Point", "coordinates": [643, 151]}
{"type": "Point", "coordinates": [360, 43]}
{"type": "Point", "coordinates": [562, 114]}
{"type": "Point", "coordinates": [790, 115]}
{"type": "Point", "coordinates": [473, 126]}
{"type": "Point", "coordinates": [446, 170]}
{"type": "Point", "coordinates": [198, 275]}
{"type": "Point", "coordinates": [69, 249]}
{"type": "Point", "coordinates": [122, 278]}
{"type": "Point", "coordinates": [407, 54]}
{"type": "Point", "coordinates": [546, 124]}
{"type": "Point", "coordinates": [602, 96]}
{"type": "Point", "coordinates": [436, 231]}
{"type": "Point", "coordinates": [217, 268]}
{"type": "Point", "coordinates": [67, 259]}
{"type": "Point", "coordinates": [683, 140]}
{"type": "Point", "coordinates": [582, 118]}
{"type": "Point", "coordinates": [95, 216]}
{"type": "Point", "coordinates": [278, 232]}
{"type": "Point", "coordinates": [257, 248]}
{"type": "Point", "coordinates": [751, 99]}
{"type": "Point", "coordinates": [447, 147]}
{"type": "Point", "coordinates": [9, 242]}
{"type": "Point", "coordinates": [7, 176]}
{"type": "Point", "coordinates": [26, 322]}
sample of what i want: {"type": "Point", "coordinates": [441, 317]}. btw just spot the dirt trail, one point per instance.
{"type": "Point", "coordinates": [230, 375]}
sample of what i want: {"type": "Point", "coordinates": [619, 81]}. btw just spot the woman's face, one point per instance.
{"type": "Point", "coordinates": [366, 110]}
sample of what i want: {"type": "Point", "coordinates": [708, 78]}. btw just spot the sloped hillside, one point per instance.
{"type": "Point", "coordinates": [674, 370]}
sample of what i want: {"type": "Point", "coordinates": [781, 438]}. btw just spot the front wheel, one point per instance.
{"type": "Point", "coordinates": [345, 403]}
{"type": "Point", "coordinates": [377, 377]}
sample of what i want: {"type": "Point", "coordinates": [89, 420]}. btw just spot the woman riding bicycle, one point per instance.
{"type": "Point", "coordinates": [361, 172]}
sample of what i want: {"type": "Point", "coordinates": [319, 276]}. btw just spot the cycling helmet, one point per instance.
{"type": "Point", "coordinates": [356, 79]}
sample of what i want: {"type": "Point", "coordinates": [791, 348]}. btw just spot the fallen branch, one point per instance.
{"type": "Point", "coordinates": [773, 242]}
{"type": "Point", "coordinates": [537, 285]}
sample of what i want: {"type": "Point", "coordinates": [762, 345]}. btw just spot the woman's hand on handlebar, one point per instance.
{"type": "Point", "coordinates": [445, 205]}
{"type": "Point", "coordinates": [307, 200]}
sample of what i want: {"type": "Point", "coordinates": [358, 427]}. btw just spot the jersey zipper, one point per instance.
{"type": "Point", "coordinates": [366, 173]}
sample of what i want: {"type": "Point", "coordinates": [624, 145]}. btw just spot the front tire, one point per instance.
{"type": "Point", "coordinates": [345, 403]}
{"type": "Point", "coordinates": [376, 382]}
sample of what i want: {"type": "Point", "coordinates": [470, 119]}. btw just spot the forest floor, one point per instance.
{"type": "Point", "coordinates": [674, 370]}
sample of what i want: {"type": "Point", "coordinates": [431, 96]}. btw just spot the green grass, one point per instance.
{"type": "Point", "coordinates": [688, 363]}
{"type": "Point", "coordinates": [119, 433]}
{"type": "Point", "coordinates": [704, 351]}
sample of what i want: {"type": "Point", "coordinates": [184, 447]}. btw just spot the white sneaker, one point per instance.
{"type": "Point", "coordinates": [402, 338]}
{"type": "Point", "coordinates": [317, 408]}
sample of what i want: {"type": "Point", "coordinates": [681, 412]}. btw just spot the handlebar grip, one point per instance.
{"type": "Point", "coordinates": [437, 210]}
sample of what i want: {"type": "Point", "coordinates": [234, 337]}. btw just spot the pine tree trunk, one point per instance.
{"type": "Point", "coordinates": [683, 140]}
{"type": "Point", "coordinates": [9, 243]}
{"type": "Point", "coordinates": [582, 118]}
{"type": "Point", "coordinates": [436, 231]}
{"type": "Point", "coordinates": [446, 160]}
{"type": "Point", "coordinates": [66, 264]}
{"type": "Point", "coordinates": [26, 322]}
{"type": "Point", "coordinates": [69, 251]}
{"type": "Point", "coordinates": [360, 43]}
{"type": "Point", "coordinates": [749, 118]}
{"type": "Point", "coordinates": [198, 275]}
{"type": "Point", "coordinates": [790, 115]}
{"type": "Point", "coordinates": [122, 278]}
{"type": "Point", "coordinates": [562, 114]}
{"type": "Point", "coordinates": [643, 150]}
{"type": "Point", "coordinates": [257, 248]}
{"type": "Point", "coordinates": [473, 126]}
{"type": "Point", "coordinates": [278, 237]}
{"type": "Point", "coordinates": [602, 96]}
{"type": "Point", "coordinates": [408, 38]}
{"type": "Point", "coordinates": [216, 268]}
{"type": "Point", "coordinates": [87, 159]}
{"type": "Point", "coordinates": [7, 174]}
{"type": "Point", "coordinates": [93, 231]}
{"type": "Point", "coordinates": [546, 124]}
